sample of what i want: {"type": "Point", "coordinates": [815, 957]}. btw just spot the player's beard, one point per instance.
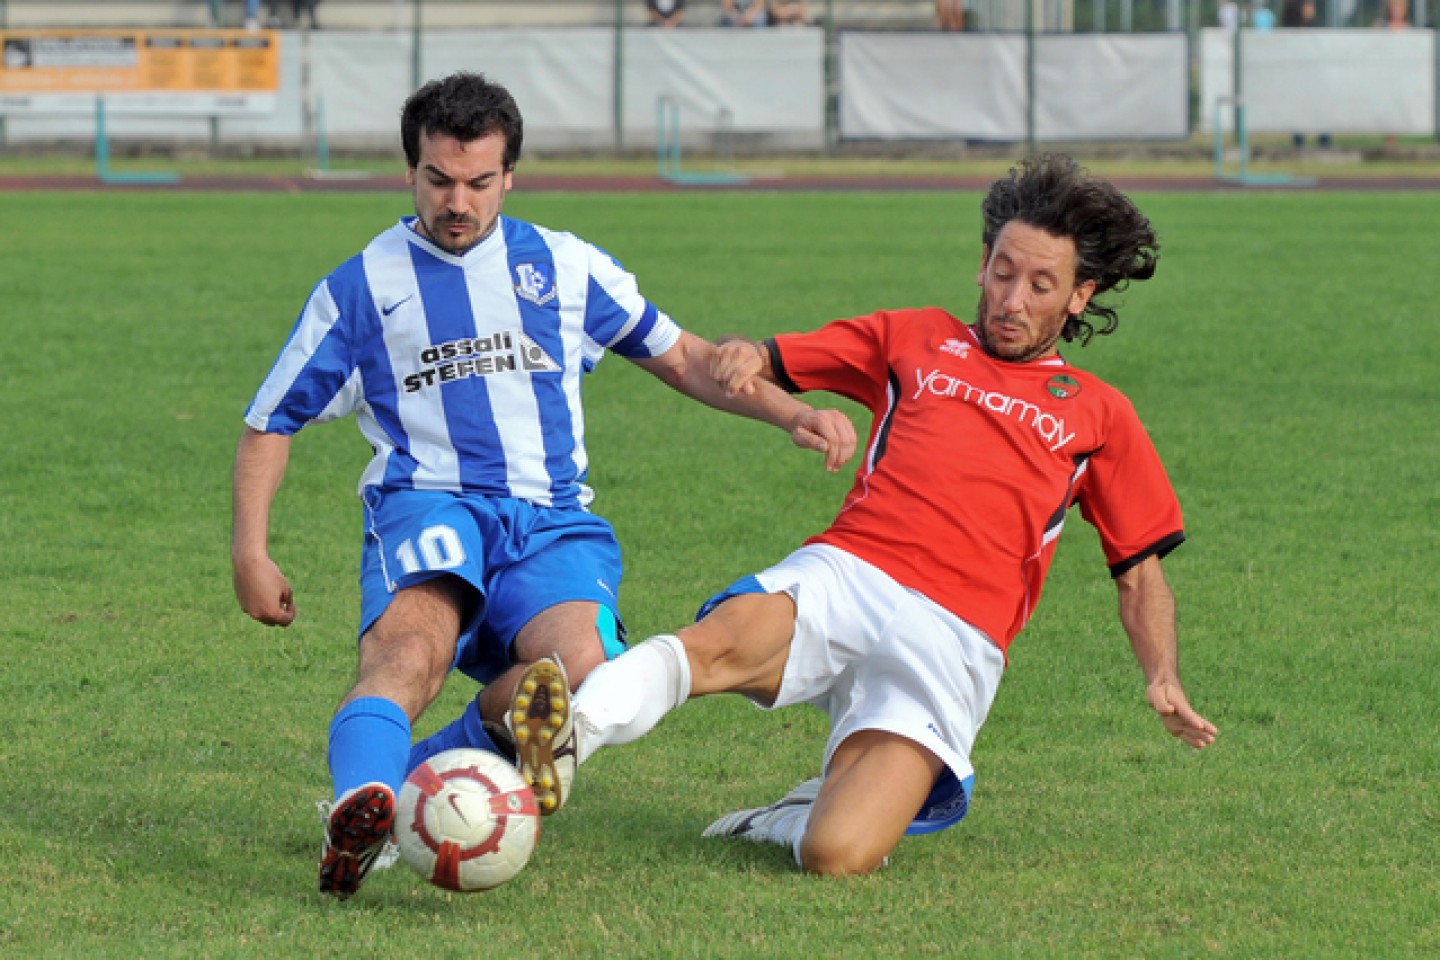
{"type": "Point", "coordinates": [437, 229]}
{"type": "Point", "coordinates": [1023, 354]}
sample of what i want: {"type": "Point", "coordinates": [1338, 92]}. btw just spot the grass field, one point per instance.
{"type": "Point", "coordinates": [163, 753]}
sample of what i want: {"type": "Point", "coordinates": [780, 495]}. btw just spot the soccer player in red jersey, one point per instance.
{"type": "Point", "coordinates": [895, 620]}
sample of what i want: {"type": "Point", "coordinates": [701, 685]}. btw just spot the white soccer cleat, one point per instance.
{"type": "Point", "coordinates": [357, 838]}
{"type": "Point", "coordinates": [544, 732]}
{"type": "Point", "coordinates": [783, 822]}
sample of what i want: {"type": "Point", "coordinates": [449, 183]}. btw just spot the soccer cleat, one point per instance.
{"type": "Point", "coordinates": [783, 822]}
{"type": "Point", "coordinates": [503, 739]}
{"type": "Point", "coordinates": [357, 832]}
{"type": "Point", "coordinates": [544, 732]}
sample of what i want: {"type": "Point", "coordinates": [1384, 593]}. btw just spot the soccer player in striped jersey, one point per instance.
{"type": "Point", "coordinates": [458, 338]}
{"type": "Point", "coordinates": [896, 620]}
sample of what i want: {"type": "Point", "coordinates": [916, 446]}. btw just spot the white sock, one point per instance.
{"type": "Point", "coordinates": [623, 699]}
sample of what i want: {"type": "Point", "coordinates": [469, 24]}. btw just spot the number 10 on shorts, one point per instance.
{"type": "Point", "coordinates": [437, 548]}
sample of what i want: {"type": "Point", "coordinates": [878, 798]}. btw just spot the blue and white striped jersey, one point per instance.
{"type": "Point", "coordinates": [463, 371]}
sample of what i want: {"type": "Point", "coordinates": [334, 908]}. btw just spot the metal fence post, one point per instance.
{"type": "Point", "coordinates": [214, 120]}
{"type": "Point", "coordinates": [3, 15]}
{"type": "Point", "coordinates": [832, 87]}
{"type": "Point", "coordinates": [416, 76]}
{"type": "Point", "coordinates": [1030, 74]}
{"type": "Point", "coordinates": [618, 80]}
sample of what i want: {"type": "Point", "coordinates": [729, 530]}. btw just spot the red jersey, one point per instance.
{"type": "Point", "coordinates": [973, 462]}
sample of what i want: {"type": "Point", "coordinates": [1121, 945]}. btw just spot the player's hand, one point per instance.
{"type": "Point", "coordinates": [263, 592]}
{"type": "Point", "coordinates": [735, 365]}
{"type": "Point", "coordinates": [1168, 700]}
{"type": "Point", "coordinates": [828, 431]}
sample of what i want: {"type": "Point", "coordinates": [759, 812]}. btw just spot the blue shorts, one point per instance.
{"type": "Point", "coordinates": [520, 559]}
{"type": "Point", "coordinates": [946, 806]}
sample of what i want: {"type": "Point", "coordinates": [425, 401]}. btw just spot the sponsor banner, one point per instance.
{"type": "Point", "coordinates": [198, 72]}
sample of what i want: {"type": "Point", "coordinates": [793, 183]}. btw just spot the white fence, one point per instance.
{"type": "Point", "coordinates": [769, 86]}
{"type": "Point", "coordinates": [1324, 81]}
{"type": "Point", "coordinates": [907, 86]}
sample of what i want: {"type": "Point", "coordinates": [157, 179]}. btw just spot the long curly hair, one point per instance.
{"type": "Point", "coordinates": [1114, 242]}
{"type": "Point", "coordinates": [465, 106]}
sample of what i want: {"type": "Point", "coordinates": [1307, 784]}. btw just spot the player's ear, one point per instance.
{"type": "Point", "coordinates": [984, 262]}
{"type": "Point", "coordinates": [1080, 297]}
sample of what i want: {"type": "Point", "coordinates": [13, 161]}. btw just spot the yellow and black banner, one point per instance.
{"type": "Point", "coordinates": [208, 72]}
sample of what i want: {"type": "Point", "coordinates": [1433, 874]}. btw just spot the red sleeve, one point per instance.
{"type": "Point", "coordinates": [1126, 495]}
{"type": "Point", "coordinates": [847, 357]}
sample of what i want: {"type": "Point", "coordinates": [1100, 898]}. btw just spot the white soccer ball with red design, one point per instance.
{"type": "Point", "coordinates": [467, 820]}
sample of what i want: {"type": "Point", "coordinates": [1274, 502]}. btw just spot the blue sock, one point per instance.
{"type": "Point", "coordinates": [467, 731]}
{"type": "Point", "coordinates": [369, 739]}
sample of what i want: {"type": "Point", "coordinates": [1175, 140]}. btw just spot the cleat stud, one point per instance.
{"type": "Point", "coordinates": [546, 736]}
{"type": "Point", "coordinates": [557, 704]}
{"type": "Point", "coordinates": [529, 685]}
{"type": "Point", "coordinates": [522, 702]}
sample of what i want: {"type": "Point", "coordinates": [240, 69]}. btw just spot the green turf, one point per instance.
{"type": "Point", "coordinates": [162, 754]}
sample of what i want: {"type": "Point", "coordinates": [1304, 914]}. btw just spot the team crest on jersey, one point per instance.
{"type": "Point", "coordinates": [1063, 387]}
{"type": "Point", "coordinates": [535, 282]}
{"type": "Point", "coordinates": [956, 348]}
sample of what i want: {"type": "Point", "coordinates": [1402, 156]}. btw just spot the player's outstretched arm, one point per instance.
{"type": "Point", "coordinates": [690, 367]}
{"type": "Point", "coordinates": [260, 586]}
{"type": "Point", "coordinates": [737, 363]}
{"type": "Point", "coordinates": [1147, 611]}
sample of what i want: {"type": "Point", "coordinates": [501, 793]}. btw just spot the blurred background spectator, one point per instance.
{"type": "Point", "coordinates": [1300, 14]}
{"type": "Point", "coordinates": [743, 13]}
{"type": "Point", "coordinates": [665, 13]}
{"type": "Point", "coordinates": [786, 11]}
{"type": "Point", "coordinates": [306, 9]}
{"type": "Point", "coordinates": [1297, 13]}
{"type": "Point", "coordinates": [950, 14]}
{"type": "Point", "coordinates": [1396, 15]}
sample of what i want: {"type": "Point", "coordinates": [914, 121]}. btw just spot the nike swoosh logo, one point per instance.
{"type": "Point", "coordinates": [456, 807]}
{"type": "Point", "coordinates": [386, 311]}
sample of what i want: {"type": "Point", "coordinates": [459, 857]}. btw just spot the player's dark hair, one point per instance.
{"type": "Point", "coordinates": [465, 106]}
{"type": "Point", "coordinates": [1114, 242]}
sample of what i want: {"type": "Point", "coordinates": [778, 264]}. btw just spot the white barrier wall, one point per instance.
{"type": "Point", "coordinates": [1323, 81]}
{"type": "Point", "coordinates": [916, 86]}
{"type": "Point", "coordinates": [767, 82]}
{"type": "Point", "coordinates": [770, 84]}
{"type": "Point", "coordinates": [913, 86]}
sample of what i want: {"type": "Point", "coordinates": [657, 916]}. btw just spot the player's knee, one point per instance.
{"type": "Point", "coordinates": [401, 671]}
{"type": "Point", "coordinates": [580, 655]}
{"type": "Point", "coordinates": [707, 646]}
{"type": "Point", "coordinates": [838, 856]}
{"type": "Point", "coordinates": [742, 645]}
{"type": "Point", "coordinates": [581, 640]}
{"type": "Point", "coordinates": [606, 644]}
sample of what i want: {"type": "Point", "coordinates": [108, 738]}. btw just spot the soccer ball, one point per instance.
{"type": "Point", "coordinates": [467, 820]}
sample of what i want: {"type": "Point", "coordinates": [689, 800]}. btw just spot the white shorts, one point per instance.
{"type": "Point", "coordinates": [874, 655]}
